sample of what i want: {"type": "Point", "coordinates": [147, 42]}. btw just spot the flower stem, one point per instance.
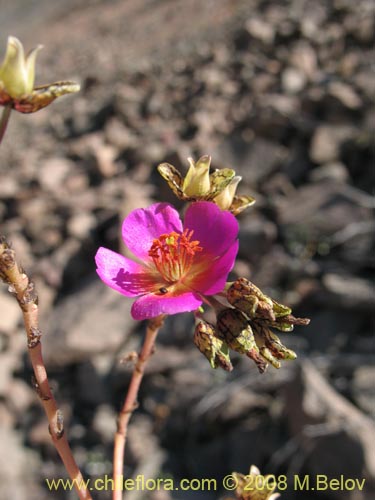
{"type": "Point", "coordinates": [23, 289]}
{"type": "Point", "coordinates": [130, 403]}
{"type": "Point", "coordinates": [4, 120]}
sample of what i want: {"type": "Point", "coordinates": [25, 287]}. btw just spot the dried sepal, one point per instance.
{"type": "Point", "coordinates": [286, 323]}
{"type": "Point", "coordinates": [174, 179]}
{"type": "Point", "coordinates": [215, 349]}
{"type": "Point", "coordinates": [39, 98]}
{"type": "Point", "coordinates": [240, 203]}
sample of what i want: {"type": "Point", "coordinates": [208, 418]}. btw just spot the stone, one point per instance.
{"type": "Point", "coordinates": [261, 30]}
{"type": "Point", "coordinates": [326, 142]}
{"type": "Point", "coordinates": [345, 94]}
{"type": "Point", "coordinates": [53, 172]}
{"type": "Point", "coordinates": [257, 235]}
{"type": "Point", "coordinates": [334, 171]}
{"type": "Point", "coordinates": [303, 57]}
{"type": "Point", "coordinates": [350, 292]}
{"type": "Point", "coordinates": [10, 312]}
{"type": "Point", "coordinates": [104, 422]}
{"type": "Point", "coordinates": [293, 80]}
{"type": "Point", "coordinates": [81, 224]}
{"type": "Point", "coordinates": [94, 320]}
{"type": "Point", "coordinates": [18, 468]}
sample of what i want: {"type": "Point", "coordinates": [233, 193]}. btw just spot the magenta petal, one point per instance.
{"type": "Point", "coordinates": [214, 280]}
{"type": "Point", "coordinates": [122, 274]}
{"type": "Point", "coordinates": [143, 225]}
{"type": "Point", "coordinates": [215, 229]}
{"type": "Point", "coordinates": [150, 305]}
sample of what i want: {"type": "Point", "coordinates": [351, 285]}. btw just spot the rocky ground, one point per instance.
{"type": "Point", "coordinates": [281, 91]}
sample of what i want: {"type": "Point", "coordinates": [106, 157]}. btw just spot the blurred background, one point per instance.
{"type": "Point", "coordinates": [280, 91]}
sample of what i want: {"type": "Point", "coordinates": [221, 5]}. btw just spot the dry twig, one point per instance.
{"type": "Point", "coordinates": [23, 289]}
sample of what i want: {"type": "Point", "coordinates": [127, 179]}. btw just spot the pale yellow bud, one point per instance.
{"type": "Point", "coordinates": [17, 73]}
{"type": "Point", "coordinates": [225, 199]}
{"type": "Point", "coordinates": [197, 180]}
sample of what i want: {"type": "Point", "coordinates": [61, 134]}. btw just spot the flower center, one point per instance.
{"type": "Point", "coordinates": [173, 254]}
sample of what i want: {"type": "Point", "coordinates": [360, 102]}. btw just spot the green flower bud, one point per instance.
{"type": "Point", "coordinates": [233, 327]}
{"type": "Point", "coordinates": [215, 349]}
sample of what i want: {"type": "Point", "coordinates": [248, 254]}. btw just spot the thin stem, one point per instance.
{"type": "Point", "coordinates": [130, 404]}
{"type": "Point", "coordinates": [4, 120]}
{"type": "Point", "coordinates": [23, 289]}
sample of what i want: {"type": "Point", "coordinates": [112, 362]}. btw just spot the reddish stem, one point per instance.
{"type": "Point", "coordinates": [130, 404]}
{"type": "Point", "coordinates": [4, 120]}
{"type": "Point", "coordinates": [23, 289]}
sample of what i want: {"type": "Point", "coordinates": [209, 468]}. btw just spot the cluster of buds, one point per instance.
{"type": "Point", "coordinates": [255, 486]}
{"type": "Point", "coordinates": [201, 185]}
{"type": "Point", "coordinates": [245, 327]}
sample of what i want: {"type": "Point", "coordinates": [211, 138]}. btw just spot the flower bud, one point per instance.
{"type": "Point", "coordinates": [255, 486]}
{"type": "Point", "coordinates": [234, 328]}
{"type": "Point", "coordinates": [17, 72]}
{"type": "Point", "coordinates": [197, 180]}
{"type": "Point", "coordinates": [248, 298]}
{"type": "Point", "coordinates": [270, 345]}
{"type": "Point", "coordinates": [227, 200]}
{"type": "Point", "coordinates": [215, 349]}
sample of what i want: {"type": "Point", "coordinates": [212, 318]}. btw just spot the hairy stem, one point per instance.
{"type": "Point", "coordinates": [130, 403]}
{"type": "Point", "coordinates": [4, 120]}
{"type": "Point", "coordinates": [23, 289]}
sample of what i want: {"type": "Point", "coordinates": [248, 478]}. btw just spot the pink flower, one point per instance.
{"type": "Point", "coordinates": [178, 264]}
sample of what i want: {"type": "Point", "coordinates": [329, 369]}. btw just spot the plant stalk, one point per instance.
{"type": "Point", "coordinates": [4, 120]}
{"type": "Point", "coordinates": [130, 404]}
{"type": "Point", "coordinates": [23, 289]}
